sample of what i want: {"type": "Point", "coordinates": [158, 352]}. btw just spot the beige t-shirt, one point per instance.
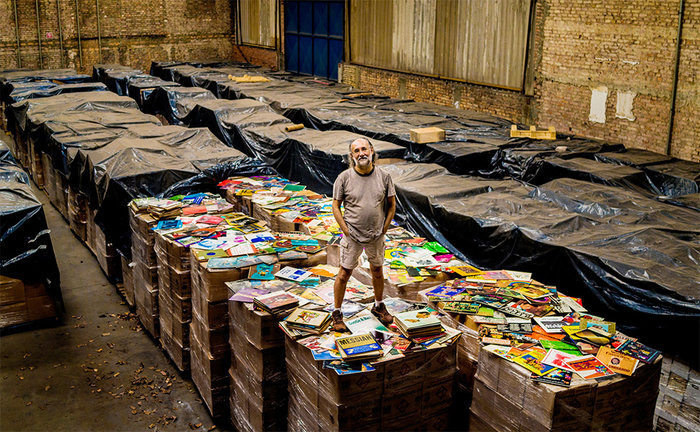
{"type": "Point", "coordinates": [363, 197]}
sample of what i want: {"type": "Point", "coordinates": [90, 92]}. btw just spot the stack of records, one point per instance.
{"type": "Point", "coordinates": [418, 323]}
{"type": "Point", "coordinates": [140, 205]}
{"type": "Point", "coordinates": [307, 320]}
{"type": "Point", "coordinates": [358, 347]}
{"type": "Point", "coordinates": [164, 209]}
{"type": "Point", "coordinates": [276, 303]}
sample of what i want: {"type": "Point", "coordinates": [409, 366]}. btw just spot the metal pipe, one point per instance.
{"type": "Point", "coordinates": [19, 54]}
{"type": "Point", "coordinates": [60, 30]}
{"type": "Point", "coordinates": [99, 33]}
{"type": "Point", "coordinates": [77, 29]}
{"type": "Point", "coordinates": [681, 9]}
{"type": "Point", "coordinates": [38, 33]}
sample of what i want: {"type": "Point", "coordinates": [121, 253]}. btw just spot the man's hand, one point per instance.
{"type": "Point", "coordinates": [390, 214]}
{"type": "Point", "coordinates": [339, 218]}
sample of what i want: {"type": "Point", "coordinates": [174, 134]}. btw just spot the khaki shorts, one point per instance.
{"type": "Point", "coordinates": [350, 251]}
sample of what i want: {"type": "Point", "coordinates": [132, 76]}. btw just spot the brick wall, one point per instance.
{"type": "Point", "coordinates": [626, 46]}
{"type": "Point", "coordinates": [132, 32]}
{"type": "Point", "coordinates": [502, 103]}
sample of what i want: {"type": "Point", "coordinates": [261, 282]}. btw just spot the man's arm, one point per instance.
{"type": "Point", "coordinates": [339, 217]}
{"type": "Point", "coordinates": [389, 214]}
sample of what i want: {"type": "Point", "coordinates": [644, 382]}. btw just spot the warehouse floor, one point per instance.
{"type": "Point", "coordinates": [97, 370]}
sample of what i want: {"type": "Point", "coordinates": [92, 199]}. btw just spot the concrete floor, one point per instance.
{"type": "Point", "coordinates": [96, 370]}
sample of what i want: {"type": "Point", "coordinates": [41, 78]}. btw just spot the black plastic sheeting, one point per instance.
{"type": "Point", "coordinates": [226, 119]}
{"type": "Point", "coordinates": [625, 254]}
{"type": "Point", "coordinates": [590, 170]}
{"type": "Point", "coordinates": [255, 129]}
{"type": "Point", "coordinates": [165, 70]}
{"type": "Point", "coordinates": [140, 88]}
{"type": "Point", "coordinates": [58, 76]}
{"type": "Point", "coordinates": [105, 148]}
{"type": "Point", "coordinates": [670, 177]}
{"type": "Point", "coordinates": [26, 251]}
{"type": "Point", "coordinates": [174, 103]}
{"type": "Point", "coordinates": [572, 216]}
{"type": "Point", "coordinates": [40, 89]}
{"type": "Point", "coordinates": [475, 143]}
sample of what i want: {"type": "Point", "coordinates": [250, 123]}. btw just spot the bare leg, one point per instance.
{"type": "Point", "coordinates": [378, 282]}
{"type": "Point", "coordinates": [341, 282]}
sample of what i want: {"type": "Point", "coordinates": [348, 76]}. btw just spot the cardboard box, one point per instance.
{"type": "Point", "coordinates": [213, 314]}
{"type": "Point", "coordinates": [259, 328]}
{"type": "Point", "coordinates": [128, 280]}
{"type": "Point", "coordinates": [213, 341]}
{"type": "Point", "coordinates": [267, 365]}
{"type": "Point", "coordinates": [180, 355]}
{"type": "Point", "coordinates": [40, 308]}
{"type": "Point", "coordinates": [213, 389]}
{"type": "Point", "coordinates": [427, 135]}
{"type": "Point", "coordinates": [13, 314]}
{"type": "Point", "coordinates": [11, 291]}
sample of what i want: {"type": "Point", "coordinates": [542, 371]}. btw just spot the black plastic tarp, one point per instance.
{"type": "Point", "coordinates": [99, 71]}
{"type": "Point", "coordinates": [591, 171]}
{"type": "Point", "coordinates": [26, 251]}
{"type": "Point", "coordinates": [110, 151]}
{"type": "Point", "coordinates": [227, 118]}
{"type": "Point", "coordinates": [174, 103]}
{"type": "Point", "coordinates": [167, 70]}
{"type": "Point", "coordinates": [140, 88]}
{"type": "Point", "coordinates": [59, 76]}
{"type": "Point", "coordinates": [51, 89]}
{"type": "Point", "coordinates": [44, 109]}
{"type": "Point", "coordinates": [691, 201]}
{"type": "Point", "coordinates": [669, 176]}
{"type": "Point", "coordinates": [626, 254]}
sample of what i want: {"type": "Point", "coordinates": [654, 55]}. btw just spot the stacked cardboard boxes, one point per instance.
{"type": "Point", "coordinates": [174, 300]}
{"type": "Point", "coordinates": [77, 209]}
{"type": "Point", "coordinates": [506, 399]}
{"type": "Point", "coordinates": [209, 339]}
{"type": "Point", "coordinates": [145, 270]}
{"type": "Point", "coordinates": [258, 373]}
{"type": "Point", "coordinates": [412, 392]}
{"type": "Point", "coordinates": [678, 405]}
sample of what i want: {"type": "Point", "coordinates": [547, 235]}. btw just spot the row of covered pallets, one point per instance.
{"type": "Point", "coordinates": [181, 299]}
{"type": "Point", "coordinates": [592, 207]}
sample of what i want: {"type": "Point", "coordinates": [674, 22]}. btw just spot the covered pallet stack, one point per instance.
{"type": "Point", "coordinates": [506, 399]}
{"type": "Point", "coordinates": [209, 340]}
{"type": "Point", "coordinates": [412, 392]}
{"type": "Point", "coordinates": [678, 405]}
{"type": "Point", "coordinates": [145, 271]}
{"type": "Point", "coordinates": [258, 371]}
{"type": "Point", "coordinates": [104, 250]}
{"type": "Point", "coordinates": [77, 209]}
{"type": "Point", "coordinates": [174, 300]}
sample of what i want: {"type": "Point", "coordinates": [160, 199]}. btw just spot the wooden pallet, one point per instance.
{"type": "Point", "coordinates": [549, 134]}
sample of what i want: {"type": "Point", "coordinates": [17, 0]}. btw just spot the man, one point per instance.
{"type": "Point", "coordinates": [365, 191]}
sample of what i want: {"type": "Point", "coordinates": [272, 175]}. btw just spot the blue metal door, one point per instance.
{"type": "Point", "coordinates": [313, 36]}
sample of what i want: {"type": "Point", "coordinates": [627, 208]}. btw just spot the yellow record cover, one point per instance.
{"type": "Point", "coordinates": [616, 361]}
